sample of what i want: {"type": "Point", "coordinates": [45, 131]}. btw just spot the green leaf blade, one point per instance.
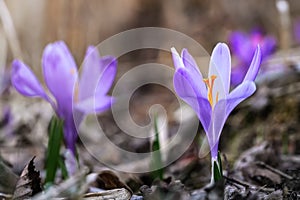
{"type": "Point", "coordinates": [55, 139]}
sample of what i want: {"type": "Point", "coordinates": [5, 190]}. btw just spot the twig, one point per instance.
{"type": "Point", "coordinates": [236, 181]}
{"type": "Point", "coordinates": [5, 196]}
{"type": "Point", "coordinates": [249, 186]}
{"type": "Point", "coordinates": [262, 164]}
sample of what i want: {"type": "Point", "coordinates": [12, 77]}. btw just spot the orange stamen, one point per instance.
{"type": "Point", "coordinates": [210, 84]}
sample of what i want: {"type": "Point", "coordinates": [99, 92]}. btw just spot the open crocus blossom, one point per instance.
{"type": "Point", "coordinates": [74, 98]}
{"type": "Point", "coordinates": [210, 97]}
{"type": "Point", "coordinates": [243, 47]}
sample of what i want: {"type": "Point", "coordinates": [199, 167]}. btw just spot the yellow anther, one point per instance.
{"type": "Point", "coordinates": [73, 71]}
{"type": "Point", "coordinates": [210, 84]}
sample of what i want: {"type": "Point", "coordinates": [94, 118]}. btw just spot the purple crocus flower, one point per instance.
{"type": "Point", "coordinates": [74, 98]}
{"type": "Point", "coordinates": [243, 47]}
{"type": "Point", "coordinates": [210, 98]}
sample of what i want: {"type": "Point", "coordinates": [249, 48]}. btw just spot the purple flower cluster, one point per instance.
{"type": "Point", "coordinates": [74, 97]}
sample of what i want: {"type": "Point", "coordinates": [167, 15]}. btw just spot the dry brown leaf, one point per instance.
{"type": "Point", "coordinates": [29, 182]}
{"type": "Point", "coordinates": [109, 180]}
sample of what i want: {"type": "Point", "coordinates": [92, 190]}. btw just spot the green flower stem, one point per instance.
{"type": "Point", "coordinates": [156, 161]}
{"type": "Point", "coordinates": [54, 144]}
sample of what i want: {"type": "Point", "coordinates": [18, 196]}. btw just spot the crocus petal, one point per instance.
{"type": "Point", "coordinates": [176, 59]}
{"type": "Point", "coordinates": [223, 108]}
{"type": "Point", "coordinates": [70, 134]}
{"type": "Point", "coordinates": [220, 65]}
{"type": "Point", "coordinates": [204, 113]}
{"type": "Point", "coordinates": [240, 93]}
{"type": "Point", "coordinates": [89, 74]}
{"type": "Point", "coordinates": [254, 66]}
{"type": "Point", "coordinates": [60, 75]}
{"type": "Point", "coordinates": [217, 123]}
{"type": "Point", "coordinates": [26, 82]}
{"type": "Point", "coordinates": [214, 150]}
{"type": "Point", "coordinates": [95, 105]}
{"type": "Point", "coordinates": [192, 70]}
{"type": "Point", "coordinates": [106, 79]}
{"type": "Point", "coordinates": [238, 73]}
{"type": "Point", "coordinates": [193, 93]}
{"type": "Point", "coordinates": [189, 61]}
{"type": "Point", "coordinates": [96, 71]}
{"type": "Point", "coordinates": [78, 116]}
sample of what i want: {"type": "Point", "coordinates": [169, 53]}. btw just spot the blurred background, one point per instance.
{"type": "Point", "coordinates": [81, 23]}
